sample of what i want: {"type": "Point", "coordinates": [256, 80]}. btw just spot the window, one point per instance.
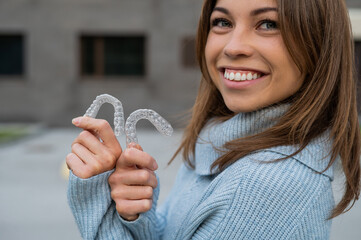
{"type": "Point", "coordinates": [358, 70]}
{"type": "Point", "coordinates": [358, 58]}
{"type": "Point", "coordinates": [12, 55]}
{"type": "Point", "coordinates": [112, 55]}
{"type": "Point", "coordinates": [188, 52]}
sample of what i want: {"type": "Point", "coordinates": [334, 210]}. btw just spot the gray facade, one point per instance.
{"type": "Point", "coordinates": [53, 91]}
{"type": "Point", "coordinates": [353, 3]}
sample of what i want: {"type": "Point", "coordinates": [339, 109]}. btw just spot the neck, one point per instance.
{"type": "Point", "coordinates": [215, 134]}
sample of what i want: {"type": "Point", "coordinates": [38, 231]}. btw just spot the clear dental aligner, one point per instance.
{"type": "Point", "coordinates": [118, 114]}
{"type": "Point", "coordinates": [158, 121]}
{"type": "Point", "coordinates": [130, 126]}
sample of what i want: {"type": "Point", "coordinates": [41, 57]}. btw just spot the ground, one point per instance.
{"type": "Point", "coordinates": [33, 185]}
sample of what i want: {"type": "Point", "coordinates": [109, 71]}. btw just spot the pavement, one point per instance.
{"type": "Point", "coordinates": [33, 185]}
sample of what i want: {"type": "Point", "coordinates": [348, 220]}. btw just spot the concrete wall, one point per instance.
{"type": "Point", "coordinates": [353, 3]}
{"type": "Point", "coordinates": [52, 90]}
{"type": "Point", "coordinates": [355, 16]}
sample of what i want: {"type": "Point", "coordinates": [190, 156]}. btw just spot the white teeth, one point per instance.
{"type": "Point", "coordinates": [249, 76]}
{"type": "Point", "coordinates": [237, 76]}
{"type": "Point", "coordinates": [231, 76]}
{"type": "Point", "coordinates": [244, 77]}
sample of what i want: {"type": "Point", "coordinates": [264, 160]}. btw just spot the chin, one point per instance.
{"type": "Point", "coordinates": [251, 107]}
{"type": "Point", "coordinates": [239, 109]}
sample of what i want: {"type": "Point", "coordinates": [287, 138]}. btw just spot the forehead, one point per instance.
{"type": "Point", "coordinates": [247, 3]}
{"type": "Point", "coordinates": [245, 8]}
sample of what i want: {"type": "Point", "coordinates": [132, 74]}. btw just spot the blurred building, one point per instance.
{"type": "Point", "coordinates": [56, 56]}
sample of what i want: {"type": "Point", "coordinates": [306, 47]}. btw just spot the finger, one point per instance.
{"type": "Point", "coordinates": [133, 192]}
{"type": "Point", "coordinates": [133, 156]}
{"type": "Point", "coordinates": [76, 165]}
{"type": "Point", "coordinates": [88, 140]}
{"type": "Point", "coordinates": [82, 153]}
{"type": "Point", "coordinates": [100, 127]}
{"type": "Point", "coordinates": [133, 207]}
{"type": "Point", "coordinates": [141, 177]}
{"type": "Point", "coordinates": [73, 161]}
{"type": "Point", "coordinates": [135, 145]}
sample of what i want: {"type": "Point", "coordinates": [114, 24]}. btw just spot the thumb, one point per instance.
{"type": "Point", "coordinates": [135, 145]}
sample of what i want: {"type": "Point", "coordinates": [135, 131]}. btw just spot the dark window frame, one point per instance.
{"type": "Point", "coordinates": [358, 58]}
{"type": "Point", "coordinates": [99, 57]}
{"type": "Point", "coordinates": [358, 72]}
{"type": "Point", "coordinates": [21, 37]}
{"type": "Point", "coordinates": [188, 52]}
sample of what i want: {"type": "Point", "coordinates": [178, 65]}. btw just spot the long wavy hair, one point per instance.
{"type": "Point", "coordinates": [319, 39]}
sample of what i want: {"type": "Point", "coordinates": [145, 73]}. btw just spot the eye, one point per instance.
{"type": "Point", "coordinates": [221, 22]}
{"type": "Point", "coordinates": [268, 25]}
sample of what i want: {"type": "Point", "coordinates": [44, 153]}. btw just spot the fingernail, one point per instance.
{"type": "Point", "coordinates": [76, 121]}
{"type": "Point", "coordinates": [131, 145]}
{"type": "Point", "coordinates": [155, 166]}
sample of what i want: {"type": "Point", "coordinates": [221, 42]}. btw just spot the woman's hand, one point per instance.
{"type": "Point", "coordinates": [95, 150]}
{"type": "Point", "coordinates": [132, 182]}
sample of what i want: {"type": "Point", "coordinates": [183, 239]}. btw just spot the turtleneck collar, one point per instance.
{"type": "Point", "coordinates": [215, 134]}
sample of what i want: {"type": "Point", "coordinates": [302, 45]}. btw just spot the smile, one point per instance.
{"type": "Point", "coordinates": [235, 75]}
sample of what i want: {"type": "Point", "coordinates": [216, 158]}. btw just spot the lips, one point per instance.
{"type": "Point", "coordinates": [241, 75]}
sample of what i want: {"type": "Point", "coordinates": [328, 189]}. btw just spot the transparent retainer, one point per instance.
{"type": "Point", "coordinates": [118, 113]}
{"type": "Point", "coordinates": [130, 126]}
{"type": "Point", "coordinates": [158, 121]}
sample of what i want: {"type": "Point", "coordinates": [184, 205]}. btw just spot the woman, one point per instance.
{"type": "Point", "coordinates": [275, 110]}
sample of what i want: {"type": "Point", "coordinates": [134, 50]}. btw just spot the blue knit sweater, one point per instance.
{"type": "Point", "coordinates": [248, 200]}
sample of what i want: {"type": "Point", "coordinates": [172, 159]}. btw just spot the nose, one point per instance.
{"type": "Point", "coordinates": [239, 44]}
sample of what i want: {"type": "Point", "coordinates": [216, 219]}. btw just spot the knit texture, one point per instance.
{"type": "Point", "coordinates": [250, 199]}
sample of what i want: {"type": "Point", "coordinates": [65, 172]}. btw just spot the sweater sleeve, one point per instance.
{"type": "Point", "coordinates": [269, 201]}
{"type": "Point", "coordinates": [96, 215]}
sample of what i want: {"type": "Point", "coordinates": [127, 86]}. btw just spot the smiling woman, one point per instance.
{"type": "Point", "coordinates": [275, 110]}
{"type": "Point", "coordinates": [246, 57]}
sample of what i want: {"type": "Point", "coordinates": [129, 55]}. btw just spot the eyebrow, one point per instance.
{"type": "Point", "coordinates": [253, 13]}
{"type": "Point", "coordinates": [220, 9]}
{"type": "Point", "coordinates": [263, 10]}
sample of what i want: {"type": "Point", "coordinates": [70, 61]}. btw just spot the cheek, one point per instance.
{"type": "Point", "coordinates": [292, 74]}
{"type": "Point", "coordinates": [282, 65]}
{"type": "Point", "coordinates": [285, 60]}
{"type": "Point", "coordinates": [208, 53]}
{"type": "Point", "coordinates": [211, 54]}
{"type": "Point", "coordinates": [213, 49]}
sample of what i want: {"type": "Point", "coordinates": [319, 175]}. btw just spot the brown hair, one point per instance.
{"type": "Point", "coordinates": [318, 36]}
